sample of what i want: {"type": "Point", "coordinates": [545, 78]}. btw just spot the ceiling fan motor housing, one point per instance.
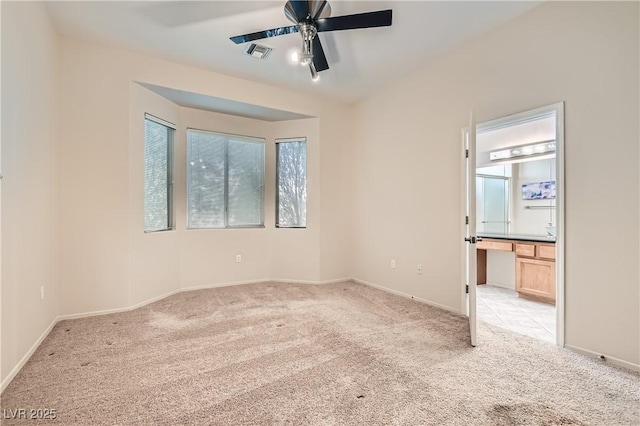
{"type": "Point", "coordinates": [307, 11]}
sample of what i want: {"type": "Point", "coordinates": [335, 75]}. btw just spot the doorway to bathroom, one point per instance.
{"type": "Point", "coordinates": [518, 196]}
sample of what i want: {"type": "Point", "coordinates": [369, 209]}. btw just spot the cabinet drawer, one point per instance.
{"type": "Point", "coordinates": [495, 245]}
{"type": "Point", "coordinates": [547, 252]}
{"type": "Point", "coordinates": [525, 249]}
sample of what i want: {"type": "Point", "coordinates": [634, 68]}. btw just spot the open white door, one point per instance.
{"type": "Point", "coordinates": [470, 234]}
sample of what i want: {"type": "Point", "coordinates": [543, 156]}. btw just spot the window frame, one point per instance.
{"type": "Point", "coordinates": [171, 131]}
{"type": "Point", "coordinates": [258, 140]}
{"type": "Point", "coordinates": [278, 141]}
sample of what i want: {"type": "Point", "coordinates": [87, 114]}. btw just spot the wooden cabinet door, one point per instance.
{"type": "Point", "coordinates": [536, 279]}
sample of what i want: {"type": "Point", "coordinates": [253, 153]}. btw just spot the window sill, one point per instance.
{"type": "Point", "coordinates": [159, 230]}
{"type": "Point", "coordinates": [227, 228]}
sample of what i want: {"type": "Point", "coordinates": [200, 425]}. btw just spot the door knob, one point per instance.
{"type": "Point", "coordinates": [473, 240]}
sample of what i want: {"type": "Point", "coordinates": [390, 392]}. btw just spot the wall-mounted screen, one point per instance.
{"type": "Point", "coordinates": [539, 190]}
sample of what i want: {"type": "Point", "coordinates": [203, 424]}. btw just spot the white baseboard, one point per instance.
{"type": "Point", "coordinates": [288, 281]}
{"type": "Point", "coordinates": [26, 356]}
{"type": "Point", "coordinates": [218, 285]}
{"type": "Point", "coordinates": [399, 293]}
{"type": "Point", "coordinates": [59, 318]}
{"type": "Point", "coordinates": [615, 361]}
{"type": "Point", "coordinates": [116, 310]}
{"type": "Point", "coordinates": [192, 288]}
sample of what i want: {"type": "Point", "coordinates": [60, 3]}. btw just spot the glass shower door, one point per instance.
{"type": "Point", "coordinates": [492, 194]}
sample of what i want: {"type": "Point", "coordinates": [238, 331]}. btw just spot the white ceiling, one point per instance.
{"type": "Point", "coordinates": [197, 33]}
{"type": "Point", "coordinates": [538, 129]}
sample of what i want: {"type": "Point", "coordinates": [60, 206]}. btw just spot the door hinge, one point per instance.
{"type": "Point", "coordinates": [466, 220]}
{"type": "Point", "coordinates": [467, 288]}
{"type": "Point", "coordinates": [466, 153]}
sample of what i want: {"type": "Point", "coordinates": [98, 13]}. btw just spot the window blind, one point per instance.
{"type": "Point", "coordinates": [225, 180]}
{"type": "Point", "coordinates": [158, 141]}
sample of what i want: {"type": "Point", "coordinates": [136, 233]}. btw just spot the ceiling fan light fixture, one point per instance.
{"type": "Point", "coordinates": [306, 55]}
{"type": "Point", "coordinates": [315, 77]}
{"type": "Point", "coordinates": [307, 31]}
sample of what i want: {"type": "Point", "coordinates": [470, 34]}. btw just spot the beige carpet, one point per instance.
{"type": "Point", "coordinates": [275, 353]}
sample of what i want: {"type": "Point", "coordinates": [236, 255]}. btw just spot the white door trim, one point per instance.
{"type": "Point", "coordinates": [558, 109]}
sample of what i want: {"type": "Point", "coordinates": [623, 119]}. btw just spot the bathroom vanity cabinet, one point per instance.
{"type": "Point", "coordinates": [535, 266]}
{"type": "Point", "coordinates": [536, 271]}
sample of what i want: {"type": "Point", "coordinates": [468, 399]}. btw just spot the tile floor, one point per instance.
{"type": "Point", "coordinates": [503, 308]}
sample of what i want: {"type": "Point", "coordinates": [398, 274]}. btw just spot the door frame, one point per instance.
{"type": "Point", "coordinates": [558, 109]}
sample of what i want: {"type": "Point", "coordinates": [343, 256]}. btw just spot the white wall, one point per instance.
{"type": "Point", "coordinates": [29, 187]}
{"type": "Point", "coordinates": [166, 261]}
{"type": "Point", "coordinates": [154, 258]}
{"type": "Point", "coordinates": [336, 168]}
{"type": "Point", "coordinates": [207, 256]}
{"type": "Point", "coordinates": [295, 253]}
{"type": "Point", "coordinates": [407, 178]}
{"type": "Point", "coordinates": [105, 259]}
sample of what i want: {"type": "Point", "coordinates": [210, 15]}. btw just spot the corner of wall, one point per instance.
{"type": "Point", "coordinates": [30, 151]}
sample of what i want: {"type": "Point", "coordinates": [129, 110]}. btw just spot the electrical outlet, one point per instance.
{"type": "Point", "coordinates": [41, 292]}
{"type": "Point", "coordinates": [238, 258]}
{"type": "Point", "coordinates": [419, 269]}
{"type": "Point", "coordinates": [393, 264]}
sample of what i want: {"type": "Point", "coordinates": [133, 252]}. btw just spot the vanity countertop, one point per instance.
{"type": "Point", "coordinates": [518, 237]}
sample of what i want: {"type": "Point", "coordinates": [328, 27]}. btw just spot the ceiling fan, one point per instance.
{"type": "Point", "coordinates": [311, 17]}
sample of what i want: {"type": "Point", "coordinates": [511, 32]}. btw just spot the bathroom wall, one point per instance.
{"type": "Point", "coordinates": [532, 216]}
{"type": "Point", "coordinates": [501, 268]}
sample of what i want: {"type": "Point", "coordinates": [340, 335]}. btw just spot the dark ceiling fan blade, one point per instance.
{"type": "Point", "coordinates": [297, 10]}
{"type": "Point", "coordinates": [264, 34]}
{"type": "Point", "coordinates": [381, 18]}
{"type": "Point", "coordinates": [315, 14]}
{"type": "Point", "coordinates": [319, 59]}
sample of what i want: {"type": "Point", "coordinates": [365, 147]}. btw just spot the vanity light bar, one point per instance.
{"type": "Point", "coordinates": [532, 149]}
